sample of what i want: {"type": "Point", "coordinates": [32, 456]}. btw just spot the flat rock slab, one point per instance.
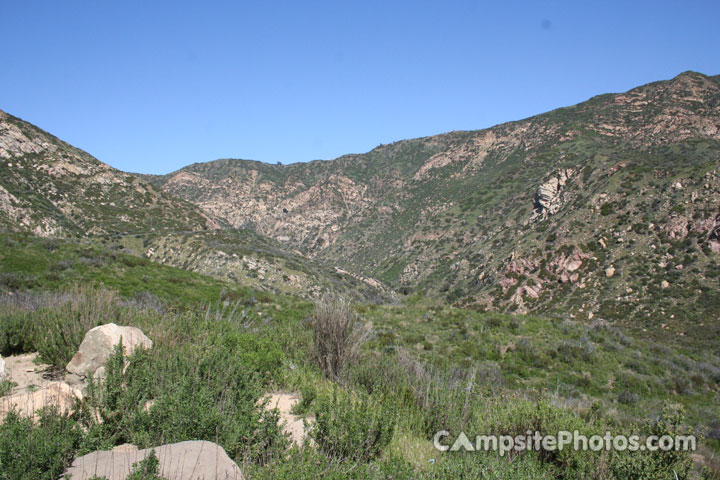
{"type": "Point", "coordinates": [191, 460]}
{"type": "Point", "coordinates": [52, 394]}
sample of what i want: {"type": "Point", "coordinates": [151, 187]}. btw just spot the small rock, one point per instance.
{"type": "Point", "coordinates": [98, 345]}
{"type": "Point", "coordinates": [610, 271]}
{"type": "Point", "coordinates": [664, 284]}
{"type": "Point", "coordinates": [191, 460]}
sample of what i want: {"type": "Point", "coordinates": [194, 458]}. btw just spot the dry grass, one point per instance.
{"type": "Point", "coordinates": [338, 335]}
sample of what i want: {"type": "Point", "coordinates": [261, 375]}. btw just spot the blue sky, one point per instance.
{"type": "Point", "coordinates": [152, 86]}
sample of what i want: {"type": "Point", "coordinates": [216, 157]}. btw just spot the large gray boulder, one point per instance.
{"type": "Point", "coordinates": [192, 460]}
{"type": "Point", "coordinates": [98, 345]}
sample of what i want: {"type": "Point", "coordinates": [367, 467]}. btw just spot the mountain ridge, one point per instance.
{"type": "Point", "coordinates": [509, 217]}
{"type": "Point", "coordinates": [606, 209]}
{"type": "Point", "coordinates": [159, 177]}
{"type": "Point", "coordinates": [52, 188]}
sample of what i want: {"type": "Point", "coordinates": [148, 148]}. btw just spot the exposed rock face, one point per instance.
{"type": "Point", "coordinates": [98, 345]}
{"type": "Point", "coordinates": [191, 460]}
{"type": "Point", "coordinates": [27, 403]}
{"type": "Point", "coordinates": [549, 197]}
{"type": "Point", "coordinates": [714, 236]}
{"type": "Point", "coordinates": [3, 372]}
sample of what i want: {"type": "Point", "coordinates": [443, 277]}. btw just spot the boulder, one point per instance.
{"type": "Point", "coordinates": [3, 371]}
{"type": "Point", "coordinates": [54, 394]}
{"type": "Point", "coordinates": [191, 460]}
{"type": "Point", "coordinates": [98, 345]}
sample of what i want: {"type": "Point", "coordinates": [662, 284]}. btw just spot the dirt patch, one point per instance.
{"type": "Point", "coordinates": [36, 386]}
{"type": "Point", "coordinates": [292, 424]}
{"type": "Point", "coordinates": [23, 371]}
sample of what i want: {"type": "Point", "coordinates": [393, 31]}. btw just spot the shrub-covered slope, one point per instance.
{"type": "Point", "coordinates": [51, 188]}
{"type": "Point", "coordinates": [605, 209]}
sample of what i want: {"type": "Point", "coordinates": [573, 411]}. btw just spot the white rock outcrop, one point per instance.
{"type": "Point", "coordinates": [191, 460]}
{"type": "Point", "coordinates": [3, 371]}
{"type": "Point", "coordinates": [98, 345]}
{"type": "Point", "coordinates": [549, 197]}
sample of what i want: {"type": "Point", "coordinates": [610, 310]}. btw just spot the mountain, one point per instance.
{"type": "Point", "coordinates": [51, 188]}
{"type": "Point", "coordinates": [607, 209]}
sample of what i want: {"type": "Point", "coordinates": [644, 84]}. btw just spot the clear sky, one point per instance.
{"type": "Point", "coordinates": [151, 86]}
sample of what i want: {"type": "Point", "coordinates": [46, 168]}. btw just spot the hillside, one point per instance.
{"type": "Point", "coordinates": [246, 258]}
{"type": "Point", "coordinates": [51, 188]}
{"type": "Point", "coordinates": [600, 219]}
{"type": "Point", "coordinates": [607, 209]}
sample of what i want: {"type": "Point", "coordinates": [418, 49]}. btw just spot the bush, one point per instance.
{"type": "Point", "coordinates": [41, 451]}
{"type": "Point", "coordinates": [338, 335]}
{"type": "Point", "coordinates": [658, 464]}
{"type": "Point", "coordinates": [309, 464]}
{"type": "Point", "coordinates": [16, 333]}
{"type": "Point", "coordinates": [191, 392]}
{"type": "Point", "coordinates": [349, 427]}
{"type": "Point", "coordinates": [147, 469]}
{"type": "Point", "coordinates": [569, 351]}
{"type": "Point", "coordinates": [307, 397]}
{"type": "Point", "coordinates": [627, 397]}
{"type": "Point", "coordinates": [58, 325]}
{"type": "Point", "coordinates": [516, 416]}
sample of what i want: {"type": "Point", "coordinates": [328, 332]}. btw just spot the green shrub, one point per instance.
{"type": "Point", "coordinates": [41, 451]}
{"type": "Point", "coordinates": [627, 397]}
{"type": "Point", "coordinates": [571, 350]}
{"type": "Point", "coordinates": [6, 387]}
{"type": "Point", "coordinates": [309, 464]}
{"type": "Point", "coordinates": [190, 392]}
{"type": "Point", "coordinates": [487, 466]}
{"type": "Point", "coordinates": [658, 464]}
{"type": "Point", "coordinates": [352, 427]}
{"type": "Point", "coordinates": [16, 333]}
{"type": "Point", "coordinates": [308, 394]}
{"type": "Point", "coordinates": [259, 353]}
{"type": "Point", "coordinates": [516, 416]}
{"type": "Point", "coordinates": [146, 469]}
